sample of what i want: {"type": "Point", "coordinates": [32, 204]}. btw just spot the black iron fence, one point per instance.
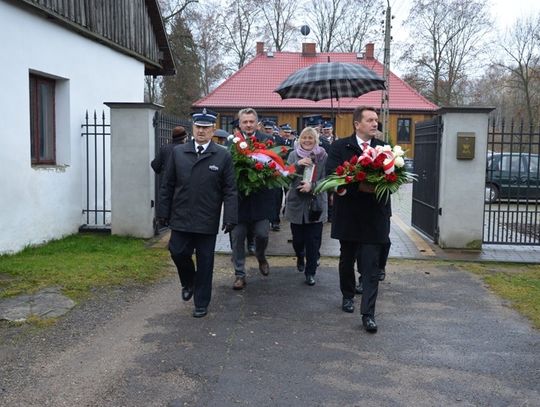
{"type": "Point", "coordinates": [96, 131]}
{"type": "Point", "coordinates": [512, 193]}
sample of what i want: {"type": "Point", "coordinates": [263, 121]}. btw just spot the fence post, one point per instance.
{"type": "Point", "coordinates": [462, 176]}
{"type": "Point", "coordinates": [132, 179]}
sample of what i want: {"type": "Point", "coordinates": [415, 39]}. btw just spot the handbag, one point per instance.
{"type": "Point", "coordinates": [315, 209]}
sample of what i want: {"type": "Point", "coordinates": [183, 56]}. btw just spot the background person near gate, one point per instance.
{"type": "Point", "coordinates": [199, 179]}
{"type": "Point", "coordinates": [254, 212]}
{"type": "Point", "coordinates": [360, 221]}
{"type": "Point", "coordinates": [179, 136]}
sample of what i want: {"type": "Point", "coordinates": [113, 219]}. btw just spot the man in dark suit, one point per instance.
{"type": "Point", "coordinates": [254, 213]}
{"type": "Point", "coordinates": [360, 221]}
{"type": "Point", "coordinates": [199, 179]}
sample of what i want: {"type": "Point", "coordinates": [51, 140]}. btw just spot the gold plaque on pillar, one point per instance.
{"type": "Point", "coordinates": [465, 146]}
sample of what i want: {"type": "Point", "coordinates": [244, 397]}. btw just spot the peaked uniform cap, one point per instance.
{"type": "Point", "coordinates": [204, 118]}
{"type": "Point", "coordinates": [268, 124]}
{"type": "Point", "coordinates": [327, 125]}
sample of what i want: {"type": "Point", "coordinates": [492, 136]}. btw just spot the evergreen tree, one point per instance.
{"type": "Point", "coordinates": [184, 88]}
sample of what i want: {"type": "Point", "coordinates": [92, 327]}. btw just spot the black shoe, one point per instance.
{"type": "Point", "coordinates": [382, 274]}
{"type": "Point", "coordinates": [300, 266]}
{"type": "Point", "coordinates": [251, 249]}
{"type": "Point", "coordinates": [187, 293]}
{"type": "Point", "coordinates": [369, 323]}
{"type": "Point", "coordinates": [239, 283]}
{"type": "Point", "coordinates": [348, 305]}
{"type": "Point", "coordinates": [199, 312]}
{"type": "Point", "coordinates": [264, 267]}
{"type": "Point", "coordinates": [310, 279]}
{"type": "Point", "coordinates": [359, 288]}
{"type": "Point", "coordinates": [276, 227]}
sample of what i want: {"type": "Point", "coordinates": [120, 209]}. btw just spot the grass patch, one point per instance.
{"type": "Point", "coordinates": [79, 263]}
{"type": "Point", "coordinates": [520, 287]}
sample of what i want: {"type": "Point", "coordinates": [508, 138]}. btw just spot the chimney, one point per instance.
{"type": "Point", "coordinates": [309, 49]}
{"type": "Point", "coordinates": [370, 50]}
{"type": "Point", "coordinates": [260, 48]}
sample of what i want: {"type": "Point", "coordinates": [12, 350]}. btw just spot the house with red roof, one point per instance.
{"type": "Point", "coordinates": [253, 86]}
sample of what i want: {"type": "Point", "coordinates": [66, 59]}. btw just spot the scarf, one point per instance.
{"type": "Point", "coordinates": [317, 151]}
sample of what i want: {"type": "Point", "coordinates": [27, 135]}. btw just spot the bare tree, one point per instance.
{"type": "Point", "coordinates": [208, 35]}
{"type": "Point", "coordinates": [172, 8]}
{"type": "Point", "coordinates": [359, 24]}
{"type": "Point", "coordinates": [521, 46]}
{"type": "Point", "coordinates": [278, 16]}
{"type": "Point", "coordinates": [324, 18]}
{"type": "Point", "coordinates": [152, 85]}
{"type": "Point", "coordinates": [169, 9]}
{"type": "Point", "coordinates": [240, 23]}
{"type": "Point", "coordinates": [447, 39]}
{"type": "Point", "coordinates": [492, 89]}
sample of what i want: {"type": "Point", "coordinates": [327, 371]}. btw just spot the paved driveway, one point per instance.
{"type": "Point", "coordinates": [443, 340]}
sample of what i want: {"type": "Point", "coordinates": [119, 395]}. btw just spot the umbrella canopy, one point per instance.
{"type": "Point", "coordinates": [330, 80]}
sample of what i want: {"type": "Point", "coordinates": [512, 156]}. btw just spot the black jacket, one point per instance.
{"type": "Point", "coordinates": [194, 189]}
{"type": "Point", "coordinates": [357, 216]}
{"type": "Point", "coordinates": [159, 163]}
{"type": "Point", "coordinates": [258, 205]}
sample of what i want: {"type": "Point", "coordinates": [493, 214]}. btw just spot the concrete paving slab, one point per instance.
{"type": "Point", "coordinates": [47, 303]}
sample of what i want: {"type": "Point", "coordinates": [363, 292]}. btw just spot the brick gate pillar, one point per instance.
{"type": "Point", "coordinates": [132, 179]}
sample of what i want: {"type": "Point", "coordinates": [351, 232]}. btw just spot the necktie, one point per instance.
{"type": "Point", "coordinates": [200, 150]}
{"type": "Point", "coordinates": [365, 145]}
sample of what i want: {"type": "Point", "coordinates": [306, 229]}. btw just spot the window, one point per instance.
{"type": "Point", "coordinates": [225, 123]}
{"type": "Point", "coordinates": [515, 164]}
{"type": "Point", "coordinates": [42, 124]}
{"type": "Point", "coordinates": [404, 130]}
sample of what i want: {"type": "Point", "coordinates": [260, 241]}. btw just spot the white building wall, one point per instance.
{"type": "Point", "coordinates": [42, 203]}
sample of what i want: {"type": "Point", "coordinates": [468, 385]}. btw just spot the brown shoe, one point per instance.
{"type": "Point", "coordinates": [239, 283]}
{"type": "Point", "coordinates": [264, 268]}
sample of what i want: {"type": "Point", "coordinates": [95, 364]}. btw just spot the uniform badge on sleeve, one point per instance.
{"type": "Point", "coordinates": [213, 168]}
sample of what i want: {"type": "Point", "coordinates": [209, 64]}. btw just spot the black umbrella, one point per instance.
{"type": "Point", "coordinates": [330, 80]}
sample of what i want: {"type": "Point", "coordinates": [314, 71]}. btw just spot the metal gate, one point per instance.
{"type": "Point", "coordinates": [425, 202]}
{"type": "Point", "coordinates": [512, 197]}
{"type": "Point", "coordinates": [163, 126]}
{"type": "Point", "coordinates": [96, 132]}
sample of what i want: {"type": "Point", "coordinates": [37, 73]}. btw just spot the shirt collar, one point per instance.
{"type": "Point", "coordinates": [205, 146]}
{"type": "Point", "coordinates": [360, 141]}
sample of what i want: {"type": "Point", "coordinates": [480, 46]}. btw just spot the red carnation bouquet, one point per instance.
{"type": "Point", "coordinates": [259, 164]}
{"type": "Point", "coordinates": [380, 166]}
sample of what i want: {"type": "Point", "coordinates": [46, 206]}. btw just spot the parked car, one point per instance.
{"type": "Point", "coordinates": [512, 176]}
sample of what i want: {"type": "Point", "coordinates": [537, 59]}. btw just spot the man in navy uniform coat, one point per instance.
{"type": "Point", "coordinates": [199, 179]}
{"type": "Point", "coordinates": [360, 221]}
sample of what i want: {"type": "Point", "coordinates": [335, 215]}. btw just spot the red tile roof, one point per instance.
{"type": "Point", "coordinates": [253, 86]}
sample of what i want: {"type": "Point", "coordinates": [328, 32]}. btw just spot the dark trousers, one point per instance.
{"type": "Point", "coordinates": [383, 258]}
{"type": "Point", "coordinates": [369, 264]}
{"type": "Point", "coordinates": [181, 246]}
{"type": "Point", "coordinates": [277, 195]}
{"type": "Point", "coordinates": [260, 230]}
{"type": "Point", "coordinates": [306, 241]}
